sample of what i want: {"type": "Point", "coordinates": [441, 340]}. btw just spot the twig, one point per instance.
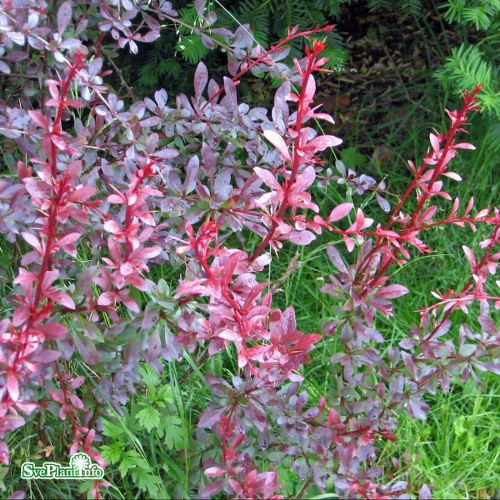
{"type": "Point", "coordinates": [292, 267]}
{"type": "Point", "coordinates": [120, 76]}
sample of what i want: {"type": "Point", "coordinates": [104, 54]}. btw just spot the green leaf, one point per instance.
{"type": "Point", "coordinates": [131, 460]}
{"type": "Point", "coordinates": [85, 486]}
{"type": "Point", "coordinates": [112, 453]}
{"type": "Point", "coordinates": [192, 49]}
{"type": "Point", "coordinates": [149, 418]}
{"type": "Point", "coordinates": [174, 435]}
{"type": "Point", "coordinates": [149, 376]}
{"type": "Point", "coordinates": [352, 158]}
{"type": "Point", "coordinates": [165, 394]}
{"type": "Point", "coordinates": [146, 481]}
{"type": "Point", "coordinates": [111, 429]}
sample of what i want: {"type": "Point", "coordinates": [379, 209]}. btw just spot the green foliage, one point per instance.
{"type": "Point", "coordinates": [468, 65]}
{"type": "Point", "coordinates": [352, 158]}
{"type": "Point", "coordinates": [409, 7]}
{"type": "Point", "coordinates": [466, 68]}
{"type": "Point", "coordinates": [482, 14]}
{"type": "Point", "coordinates": [152, 426]}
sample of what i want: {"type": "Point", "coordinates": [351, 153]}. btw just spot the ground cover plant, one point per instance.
{"type": "Point", "coordinates": [154, 239]}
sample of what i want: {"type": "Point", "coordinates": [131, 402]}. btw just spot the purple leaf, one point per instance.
{"type": "Point", "coordinates": [391, 292]}
{"type": "Point", "coordinates": [208, 160]}
{"type": "Point", "coordinates": [150, 36]}
{"type": "Point", "coordinates": [200, 80]}
{"type": "Point", "coordinates": [425, 493]}
{"type": "Point", "coordinates": [4, 68]}
{"type": "Point", "coordinates": [210, 417]}
{"type": "Point", "coordinates": [87, 350]}
{"type": "Point", "coordinates": [211, 489]}
{"type": "Point", "coordinates": [152, 121]}
{"type": "Point", "coordinates": [230, 88]}
{"type": "Point", "coordinates": [335, 258]}
{"type": "Point", "coordinates": [63, 17]}
{"type": "Point", "coordinates": [383, 203]}
{"type": "Point", "coordinates": [200, 7]}
{"type": "Point", "coordinates": [192, 174]}
{"type": "Point", "coordinates": [45, 356]}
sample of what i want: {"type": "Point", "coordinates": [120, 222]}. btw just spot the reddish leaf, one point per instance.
{"type": "Point", "coordinates": [300, 237]}
{"type": "Point", "coordinates": [54, 331]}
{"type": "Point", "coordinates": [69, 238]}
{"type": "Point", "coordinates": [339, 212]}
{"type": "Point", "coordinates": [322, 142]}
{"type": "Point", "coordinates": [214, 472]}
{"type": "Point", "coordinates": [63, 299]}
{"type": "Point", "coordinates": [39, 119]}
{"type": "Point", "coordinates": [12, 386]}
{"type": "Point", "coordinates": [81, 194]}
{"type": "Point", "coordinates": [195, 287]}
{"type": "Point", "coordinates": [117, 199]}
{"type": "Point", "coordinates": [391, 292]}
{"type": "Point", "coordinates": [268, 178]}
{"type": "Point", "coordinates": [277, 141]}
{"type": "Point", "coordinates": [470, 257]}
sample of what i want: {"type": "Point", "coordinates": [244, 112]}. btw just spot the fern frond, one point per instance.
{"type": "Point", "coordinates": [377, 5]}
{"type": "Point", "coordinates": [331, 7]}
{"type": "Point", "coordinates": [411, 7]}
{"type": "Point", "coordinates": [465, 69]}
{"type": "Point", "coordinates": [482, 14]}
{"type": "Point", "coordinates": [191, 48]}
{"type": "Point", "coordinates": [479, 16]}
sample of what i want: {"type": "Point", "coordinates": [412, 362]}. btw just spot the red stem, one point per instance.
{"type": "Point", "coordinates": [471, 281]}
{"type": "Point", "coordinates": [265, 55]}
{"type": "Point", "coordinates": [296, 160]}
{"type": "Point", "coordinates": [58, 192]}
{"type": "Point", "coordinates": [438, 170]}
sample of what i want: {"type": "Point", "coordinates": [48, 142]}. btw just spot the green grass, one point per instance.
{"type": "Point", "coordinates": [456, 450]}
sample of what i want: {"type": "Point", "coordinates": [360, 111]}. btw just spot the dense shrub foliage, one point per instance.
{"type": "Point", "coordinates": [101, 191]}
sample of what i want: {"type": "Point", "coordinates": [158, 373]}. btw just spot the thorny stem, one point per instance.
{"type": "Point", "coordinates": [58, 192]}
{"type": "Point", "coordinates": [438, 170]}
{"type": "Point", "coordinates": [296, 160]}
{"type": "Point", "coordinates": [263, 58]}
{"type": "Point", "coordinates": [466, 288]}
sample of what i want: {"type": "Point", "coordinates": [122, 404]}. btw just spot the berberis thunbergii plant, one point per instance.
{"type": "Point", "coordinates": [98, 191]}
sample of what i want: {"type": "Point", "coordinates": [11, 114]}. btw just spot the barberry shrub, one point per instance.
{"type": "Point", "coordinates": [101, 189]}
